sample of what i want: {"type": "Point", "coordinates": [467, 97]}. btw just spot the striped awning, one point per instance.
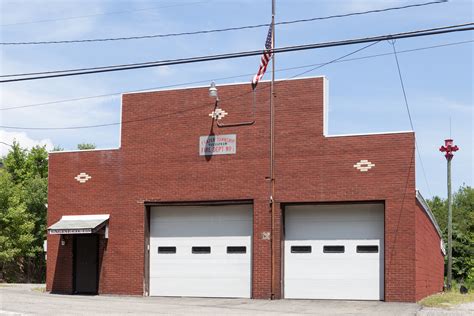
{"type": "Point", "coordinates": [78, 224]}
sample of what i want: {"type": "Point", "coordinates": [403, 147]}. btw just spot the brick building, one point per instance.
{"type": "Point", "coordinates": [161, 216]}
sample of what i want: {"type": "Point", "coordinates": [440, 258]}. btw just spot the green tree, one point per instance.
{"type": "Point", "coordinates": [23, 195]}
{"type": "Point", "coordinates": [16, 230]}
{"type": "Point", "coordinates": [463, 230]}
{"type": "Point", "coordinates": [15, 163]}
{"type": "Point", "coordinates": [84, 146]}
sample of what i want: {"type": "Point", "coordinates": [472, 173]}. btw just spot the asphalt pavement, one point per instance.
{"type": "Point", "coordinates": [28, 299]}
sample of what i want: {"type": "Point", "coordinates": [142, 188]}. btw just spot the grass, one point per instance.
{"type": "Point", "coordinates": [447, 299]}
{"type": "Point", "coordinates": [40, 289]}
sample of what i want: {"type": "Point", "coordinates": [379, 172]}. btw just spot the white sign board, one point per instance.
{"type": "Point", "coordinates": [217, 145]}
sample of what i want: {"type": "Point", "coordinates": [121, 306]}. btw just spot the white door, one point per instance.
{"type": "Point", "coordinates": [202, 251]}
{"type": "Point", "coordinates": [334, 251]}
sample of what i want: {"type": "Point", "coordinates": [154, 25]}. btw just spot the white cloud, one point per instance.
{"type": "Point", "coordinates": [23, 139]}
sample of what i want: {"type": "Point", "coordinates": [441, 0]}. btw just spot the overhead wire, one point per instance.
{"type": "Point", "coordinates": [93, 70]}
{"type": "Point", "coordinates": [99, 14]}
{"type": "Point", "coordinates": [225, 78]}
{"type": "Point", "coordinates": [407, 106]}
{"type": "Point", "coordinates": [178, 112]}
{"type": "Point", "coordinates": [7, 144]}
{"type": "Point", "coordinates": [224, 29]}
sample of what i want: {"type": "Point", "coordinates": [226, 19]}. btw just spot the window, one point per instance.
{"type": "Point", "coordinates": [201, 250]}
{"type": "Point", "coordinates": [236, 249]}
{"type": "Point", "coordinates": [166, 249]}
{"type": "Point", "coordinates": [368, 249]}
{"type": "Point", "coordinates": [300, 249]}
{"type": "Point", "coordinates": [333, 249]}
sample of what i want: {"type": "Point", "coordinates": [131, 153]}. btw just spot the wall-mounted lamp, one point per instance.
{"type": "Point", "coordinates": [213, 91]}
{"type": "Point", "coordinates": [63, 240]}
{"type": "Point", "coordinates": [218, 114]}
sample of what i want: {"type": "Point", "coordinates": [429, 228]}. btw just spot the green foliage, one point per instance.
{"type": "Point", "coordinates": [463, 231]}
{"type": "Point", "coordinates": [23, 195]}
{"type": "Point", "coordinates": [84, 146]}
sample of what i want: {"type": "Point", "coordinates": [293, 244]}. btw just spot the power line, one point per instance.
{"type": "Point", "coordinates": [258, 52]}
{"type": "Point", "coordinates": [93, 70]}
{"type": "Point", "coordinates": [226, 78]}
{"type": "Point", "coordinates": [168, 114]}
{"type": "Point", "coordinates": [408, 112]}
{"type": "Point", "coordinates": [99, 14]}
{"type": "Point", "coordinates": [223, 29]}
{"type": "Point", "coordinates": [7, 144]}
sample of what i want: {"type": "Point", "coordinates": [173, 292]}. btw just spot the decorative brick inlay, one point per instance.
{"type": "Point", "coordinates": [217, 114]}
{"type": "Point", "coordinates": [364, 165]}
{"type": "Point", "coordinates": [82, 177]}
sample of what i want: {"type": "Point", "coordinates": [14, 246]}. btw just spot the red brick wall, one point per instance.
{"type": "Point", "coordinates": [159, 161]}
{"type": "Point", "coordinates": [429, 258]}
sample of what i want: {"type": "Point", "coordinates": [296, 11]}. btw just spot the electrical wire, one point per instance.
{"type": "Point", "coordinates": [392, 42]}
{"type": "Point", "coordinates": [223, 29]}
{"type": "Point", "coordinates": [151, 63]}
{"type": "Point", "coordinates": [7, 144]}
{"type": "Point", "coordinates": [99, 14]}
{"type": "Point", "coordinates": [169, 114]}
{"type": "Point", "coordinates": [226, 78]}
{"type": "Point", "coordinates": [93, 70]}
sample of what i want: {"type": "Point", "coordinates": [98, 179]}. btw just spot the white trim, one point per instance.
{"type": "Point", "coordinates": [83, 150]}
{"type": "Point", "coordinates": [369, 134]}
{"type": "Point", "coordinates": [220, 85]}
{"type": "Point", "coordinates": [325, 107]}
{"type": "Point", "coordinates": [428, 212]}
{"type": "Point", "coordinates": [120, 120]}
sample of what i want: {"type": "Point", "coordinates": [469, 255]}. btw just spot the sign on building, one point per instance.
{"type": "Point", "coordinates": [217, 145]}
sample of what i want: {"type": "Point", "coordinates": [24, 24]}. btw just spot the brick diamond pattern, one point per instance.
{"type": "Point", "coordinates": [82, 177]}
{"type": "Point", "coordinates": [218, 114]}
{"type": "Point", "coordinates": [364, 165]}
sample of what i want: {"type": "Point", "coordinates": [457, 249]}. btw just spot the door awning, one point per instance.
{"type": "Point", "coordinates": [79, 224]}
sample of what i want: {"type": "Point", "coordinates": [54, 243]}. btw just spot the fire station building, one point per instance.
{"type": "Point", "coordinates": [184, 206]}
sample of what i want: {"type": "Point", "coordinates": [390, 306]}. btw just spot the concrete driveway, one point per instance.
{"type": "Point", "coordinates": [23, 299]}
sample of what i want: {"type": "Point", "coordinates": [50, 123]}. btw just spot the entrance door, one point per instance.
{"type": "Point", "coordinates": [85, 264]}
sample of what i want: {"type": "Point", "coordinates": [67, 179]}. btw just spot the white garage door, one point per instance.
{"type": "Point", "coordinates": [334, 251]}
{"type": "Point", "coordinates": [202, 251]}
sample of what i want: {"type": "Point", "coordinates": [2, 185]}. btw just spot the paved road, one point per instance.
{"type": "Point", "coordinates": [22, 300]}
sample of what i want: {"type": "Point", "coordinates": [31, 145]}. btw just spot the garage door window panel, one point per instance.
{"type": "Point", "coordinates": [236, 249]}
{"type": "Point", "coordinates": [300, 249]}
{"type": "Point", "coordinates": [368, 249]}
{"type": "Point", "coordinates": [334, 249]}
{"type": "Point", "coordinates": [201, 250]}
{"type": "Point", "coordinates": [167, 250]}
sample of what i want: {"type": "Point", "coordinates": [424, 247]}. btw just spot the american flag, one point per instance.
{"type": "Point", "coordinates": [267, 55]}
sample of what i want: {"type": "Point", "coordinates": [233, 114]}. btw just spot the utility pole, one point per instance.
{"type": "Point", "coordinates": [449, 149]}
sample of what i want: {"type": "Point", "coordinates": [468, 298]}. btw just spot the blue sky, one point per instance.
{"type": "Point", "coordinates": [364, 96]}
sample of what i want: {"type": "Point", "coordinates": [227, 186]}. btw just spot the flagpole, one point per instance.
{"type": "Point", "coordinates": [272, 157]}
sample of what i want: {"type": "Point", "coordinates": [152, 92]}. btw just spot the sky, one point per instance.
{"type": "Point", "coordinates": [365, 95]}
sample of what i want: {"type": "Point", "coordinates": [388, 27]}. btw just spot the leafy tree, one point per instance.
{"type": "Point", "coordinates": [23, 195]}
{"type": "Point", "coordinates": [463, 230]}
{"type": "Point", "coordinates": [16, 229]}
{"type": "Point", "coordinates": [84, 146]}
{"type": "Point", "coordinates": [15, 163]}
